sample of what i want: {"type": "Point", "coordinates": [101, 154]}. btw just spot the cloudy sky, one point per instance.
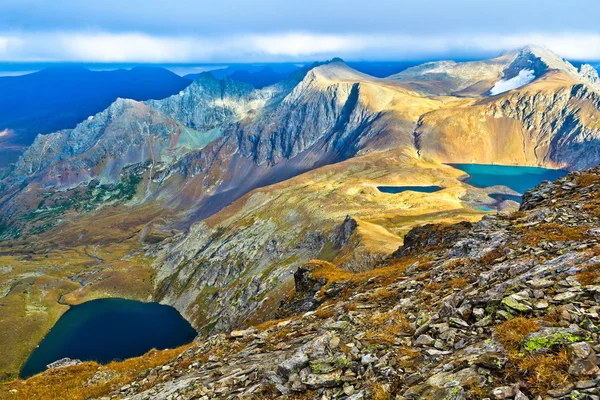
{"type": "Point", "coordinates": [288, 30]}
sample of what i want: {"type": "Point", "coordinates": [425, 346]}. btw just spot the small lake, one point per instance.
{"type": "Point", "coordinates": [517, 178]}
{"type": "Point", "coordinates": [110, 329]}
{"type": "Point", "coordinates": [400, 189]}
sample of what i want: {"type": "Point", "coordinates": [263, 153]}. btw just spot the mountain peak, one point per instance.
{"type": "Point", "coordinates": [336, 60]}
{"type": "Point", "coordinates": [543, 55]}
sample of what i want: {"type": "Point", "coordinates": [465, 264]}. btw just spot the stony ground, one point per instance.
{"type": "Point", "coordinates": [503, 309]}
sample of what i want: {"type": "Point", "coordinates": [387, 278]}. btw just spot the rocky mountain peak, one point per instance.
{"type": "Point", "coordinates": [590, 75]}
{"type": "Point", "coordinates": [534, 54]}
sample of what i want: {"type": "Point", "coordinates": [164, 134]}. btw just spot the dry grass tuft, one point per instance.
{"type": "Point", "coordinates": [387, 274]}
{"type": "Point", "coordinates": [511, 333]}
{"type": "Point", "coordinates": [551, 232]}
{"type": "Point", "coordinates": [433, 287]}
{"type": "Point", "coordinates": [325, 312]}
{"type": "Point", "coordinates": [586, 179]}
{"type": "Point", "coordinates": [381, 392]}
{"type": "Point", "coordinates": [457, 283]}
{"type": "Point", "coordinates": [589, 275]}
{"type": "Point", "coordinates": [387, 327]}
{"type": "Point", "coordinates": [542, 372]}
{"type": "Point", "coordinates": [492, 255]}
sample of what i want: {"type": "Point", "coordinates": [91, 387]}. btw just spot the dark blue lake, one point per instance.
{"type": "Point", "coordinates": [400, 189]}
{"type": "Point", "coordinates": [517, 178]}
{"type": "Point", "coordinates": [109, 329]}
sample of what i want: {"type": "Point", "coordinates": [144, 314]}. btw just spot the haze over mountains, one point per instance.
{"type": "Point", "coordinates": [208, 199]}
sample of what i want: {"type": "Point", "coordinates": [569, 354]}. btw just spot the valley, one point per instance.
{"type": "Point", "coordinates": [211, 199]}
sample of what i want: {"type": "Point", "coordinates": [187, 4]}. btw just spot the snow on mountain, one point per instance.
{"type": "Point", "coordinates": [524, 77]}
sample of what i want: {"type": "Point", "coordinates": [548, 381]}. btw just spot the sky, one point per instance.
{"type": "Point", "coordinates": [180, 31]}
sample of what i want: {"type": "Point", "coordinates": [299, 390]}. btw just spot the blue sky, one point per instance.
{"type": "Point", "coordinates": [279, 30]}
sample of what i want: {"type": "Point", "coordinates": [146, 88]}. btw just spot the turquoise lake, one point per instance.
{"type": "Point", "coordinates": [400, 189]}
{"type": "Point", "coordinates": [517, 178]}
{"type": "Point", "coordinates": [110, 329]}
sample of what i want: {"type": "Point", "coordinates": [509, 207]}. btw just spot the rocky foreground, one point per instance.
{"type": "Point", "coordinates": [503, 309]}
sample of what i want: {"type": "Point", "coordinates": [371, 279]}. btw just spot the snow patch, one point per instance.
{"type": "Point", "coordinates": [525, 76]}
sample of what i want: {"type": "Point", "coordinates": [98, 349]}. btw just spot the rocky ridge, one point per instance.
{"type": "Point", "coordinates": [506, 308]}
{"type": "Point", "coordinates": [503, 309]}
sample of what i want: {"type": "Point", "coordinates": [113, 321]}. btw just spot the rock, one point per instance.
{"type": "Point", "coordinates": [293, 364]}
{"type": "Point", "coordinates": [436, 387]}
{"type": "Point", "coordinates": [566, 296]}
{"type": "Point", "coordinates": [516, 303]}
{"type": "Point", "coordinates": [541, 305]}
{"type": "Point", "coordinates": [478, 313]}
{"type": "Point", "coordinates": [491, 360]}
{"type": "Point", "coordinates": [63, 362]}
{"type": "Point", "coordinates": [241, 334]}
{"type": "Point", "coordinates": [540, 283]}
{"type": "Point", "coordinates": [316, 381]}
{"type": "Point", "coordinates": [424, 340]}
{"type": "Point", "coordinates": [334, 342]}
{"type": "Point", "coordinates": [458, 323]}
{"type": "Point", "coordinates": [585, 367]}
{"type": "Point", "coordinates": [357, 396]}
{"type": "Point", "coordinates": [284, 390]}
{"type": "Point", "coordinates": [521, 396]}
{"type": "Point", "coordinates": [548, 338]}
{"type": "Point", "coordinates": [587, 384]}
{"type": "Point", "coordinates": [560, 392]}
{"type": "Point", "coordinates": [368, 359]}
{"type": "Point", "coordinates": [503, 392]}
{"type": "Point", "coordinates": [581, 350]}
{"type": "Point", "coordinates": [348, 390]}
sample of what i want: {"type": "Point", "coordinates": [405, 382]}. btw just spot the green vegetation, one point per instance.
{"type": "Point", "coordinates": [543, 343]}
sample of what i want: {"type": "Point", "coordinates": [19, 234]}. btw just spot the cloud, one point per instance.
{"type": "Point", "coordinates": [139, 47]}
{"type": "Point", "coordinates": [6, 132]}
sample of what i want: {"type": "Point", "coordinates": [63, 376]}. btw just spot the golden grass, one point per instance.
{"type": "Point", "coordinates": [589, 275]}
{"type": "Point", "coordinates": [542, 372]}
{"type": "Point", "coordinates": [380, 392]}
{"type": "Point", "coordinates": [68, 383]}
{"type": "Point", "coordinates": [387, 327]}
{"type": "Point", "coordinates": [457, 283]}
{"type": "Point", "coordinates": [511, 333]}
{"type": "Point", "coordinates": [433, 287]}
{"type": "Point", "coordinates": [551, 232]}
{"type": "Point", "coordinates": [325, 312]}
{"type": "Point", "coordinates": [386, 274]}
{"type": "Point", "coordinates": [492, 256]}
{"type": "Point", "coordinates": [586, 179]}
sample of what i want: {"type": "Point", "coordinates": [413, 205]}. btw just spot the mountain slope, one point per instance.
{"type": "Point", "coordinates": [505, 308]}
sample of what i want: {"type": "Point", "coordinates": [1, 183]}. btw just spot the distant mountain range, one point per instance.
{"type": "Point", "coordinates": [60, 97]}
{"type": "Point", "coordinates": [257, 75]}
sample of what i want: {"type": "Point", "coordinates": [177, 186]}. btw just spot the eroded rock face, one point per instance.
{"type": "Point", "coordinates": [590, 75]}
{"type": "Point", "coordinates": [432, 236]}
